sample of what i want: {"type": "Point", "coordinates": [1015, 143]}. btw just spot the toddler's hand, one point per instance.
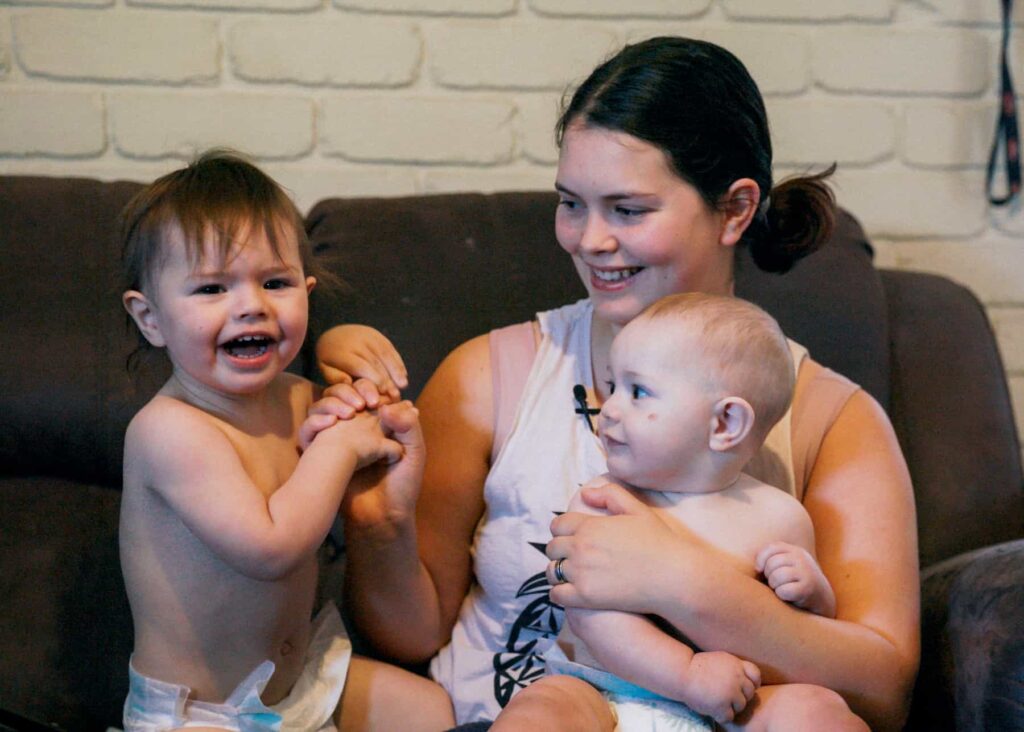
{"type": "Point", "coordinates": [796, 578]}
{"type": "Point", "coordinates": [348, 352]}
{"type": "Point", "coordinates": [721, 684]}
{"type": "Point", "coordinates": [364, 437]}
{"type": "Point", "coordinates": [340, 401]}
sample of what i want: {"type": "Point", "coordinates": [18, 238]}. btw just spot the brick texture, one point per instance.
{"type": "Point", "coordinates": [117, 46]}
{"type": "Point", "coordinates": [618, 9]}
{"type": "Point", "coordinates": [901, 62]}
{"type": "Point", "coordinates": [507, 55]}
{"type": "Point", "coordinates": [346, 52]}
{"type": "Point", "coordinates": [424, 130]}
{"type": "Point", "coordinates": [155, 125]}
{"type": "Point", "coordinates": [51, 123]}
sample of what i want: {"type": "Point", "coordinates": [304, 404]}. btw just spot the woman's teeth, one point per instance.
{"type": "Point", "coordinates": [615, 275]}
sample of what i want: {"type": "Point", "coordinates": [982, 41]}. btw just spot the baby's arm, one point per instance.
{"type": "Point", "coordinates": [633, 647]}
{"type": "Point", "coordinates": [192, 465]}
{"type": "Point", "coordinates": [796, 577]}
{"type": "Point", "coordinates": [716, 683]}
{"type": "Point", "coordinates": [787, 561]}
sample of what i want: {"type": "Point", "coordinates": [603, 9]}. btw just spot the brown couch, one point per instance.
{"type": "Point", "coordinates": [431, 272]}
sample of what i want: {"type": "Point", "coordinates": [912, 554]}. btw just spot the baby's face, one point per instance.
{"type": "Point", "coordinates": [231, 324]}
{"type": "Point", "coordinates": [658, 418]}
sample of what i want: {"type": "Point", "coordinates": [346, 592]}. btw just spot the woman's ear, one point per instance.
{"type": "Point", "coordinates": [738, 207]}
{"type": "Point", "coordinates": [143, 313]}
{"type": "Point", "coordinates": [732, 419]}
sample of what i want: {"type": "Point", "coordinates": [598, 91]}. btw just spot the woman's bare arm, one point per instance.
{"type": "Point", "coordinates": [408, 576]}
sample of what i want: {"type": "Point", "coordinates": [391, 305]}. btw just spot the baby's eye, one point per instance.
{"type": "Point", "coordinates": [209, 289]}
{"type": "Point", "coordinates": [276, 284]}
{"type": "Point", "coordinates": [611, 387]}
{"type": "Point", "coordinates": [639, 392]}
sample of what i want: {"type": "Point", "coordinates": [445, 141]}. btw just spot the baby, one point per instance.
{"type": "Point", "coordinates": [221, 516]}
{"type": "Point", "coordinates": [697, 383]}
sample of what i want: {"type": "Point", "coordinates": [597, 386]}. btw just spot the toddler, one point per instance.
{"type": "Point", "coordinates": [222, 514]}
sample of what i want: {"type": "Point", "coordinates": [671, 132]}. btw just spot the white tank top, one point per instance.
{"type": "Point", "coordinates": [507, 623]}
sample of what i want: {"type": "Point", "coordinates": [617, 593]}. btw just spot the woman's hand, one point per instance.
{"type": "Point", "coordinates": [618, 561]}
{"type": "Point", "coordinates": [348, 352]}
{"type": "Point", "coordinates": [383, 497]}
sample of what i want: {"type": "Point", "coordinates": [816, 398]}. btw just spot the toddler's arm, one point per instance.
{"type": "Point", "coordinates": [796, 577]}
{"type": "Point", "coordinates": [179, 453]}
{"type": "Point", "coordinates": [347, 352]}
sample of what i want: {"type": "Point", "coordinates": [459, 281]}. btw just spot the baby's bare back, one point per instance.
{"type": "Point", "coordinates": [199, 621]}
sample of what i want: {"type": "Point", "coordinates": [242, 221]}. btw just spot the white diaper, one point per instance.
{"type": "Point", "coordinates": [156, 706]}
{"type": "Point", "coordinates": [636, 709]}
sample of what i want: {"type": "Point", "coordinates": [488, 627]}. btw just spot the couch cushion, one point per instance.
{"type": "Point", "coordinates": [65, 629]}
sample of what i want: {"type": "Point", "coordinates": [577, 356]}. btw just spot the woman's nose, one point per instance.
{"type": "Point", "coordinates": [597, 236]}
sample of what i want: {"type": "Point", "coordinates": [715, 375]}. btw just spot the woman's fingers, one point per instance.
{"type": "Point", "coordinates": [614, 499]}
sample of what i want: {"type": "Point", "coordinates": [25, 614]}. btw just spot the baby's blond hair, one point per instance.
{"type": "Point", "coordinates": [739, 347]}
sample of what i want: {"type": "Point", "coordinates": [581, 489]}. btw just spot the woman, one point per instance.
{"type": "Point", "coordinates": [664, 169]}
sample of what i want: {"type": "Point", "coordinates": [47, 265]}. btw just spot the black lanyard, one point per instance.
{"type": "Point", "coordinates": [1007, 136]}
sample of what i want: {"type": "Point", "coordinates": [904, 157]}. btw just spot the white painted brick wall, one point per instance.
{"type": "Point", "coordinates": [113, 45]}
{"type": "Point", "coordinates": [51, 123]}
{"type": "Point", "coordinates": [306, 50]}
{"type": "Point", "coordinates": [394, 97]}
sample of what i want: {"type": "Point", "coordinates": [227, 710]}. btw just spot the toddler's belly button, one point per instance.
{"type": "Point", "coordinates": [286, 648]}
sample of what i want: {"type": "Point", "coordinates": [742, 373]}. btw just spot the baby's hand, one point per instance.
{"type": "Point", "coordinates": [348, 352]}
{"type": "Point", "coordinates": [721, 684]}
{"type": "Point", "coordinates": [340, 401]}
{"type": "Point", "coordinates": [363, 437]}
{"type": "Point", "coordinates": [796, 578]}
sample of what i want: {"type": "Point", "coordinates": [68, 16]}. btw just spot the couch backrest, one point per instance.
{"type": "Point", "coordinates": [65, 395]}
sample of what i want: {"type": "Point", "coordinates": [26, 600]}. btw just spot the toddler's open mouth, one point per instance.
{"type": "Point", "coordinates": [250, 346]}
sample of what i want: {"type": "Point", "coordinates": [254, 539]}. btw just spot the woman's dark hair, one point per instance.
{"type": "Point", "coordinates": [696, 102]}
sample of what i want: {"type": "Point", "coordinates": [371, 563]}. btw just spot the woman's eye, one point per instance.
{"type": "Point", "coordinates": [629, 212]}
{"type": "Point", "coordinates": [639, 392]}
{"type": "Point", "coordinates": [568, 204]}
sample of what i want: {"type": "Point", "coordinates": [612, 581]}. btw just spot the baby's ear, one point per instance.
{"type": "Point", "coordinates": [732, 419]}
{"type": "Point", "coordinates": [143, 313]}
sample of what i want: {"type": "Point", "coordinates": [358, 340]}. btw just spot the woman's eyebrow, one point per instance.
{"type": "Point", "coordinates": [609, 196]}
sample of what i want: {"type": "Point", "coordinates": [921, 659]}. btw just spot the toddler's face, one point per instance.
{"type": "Point", "coordinates": [231, 325]}
{"type": "Point", "coordinates": [658, 419]}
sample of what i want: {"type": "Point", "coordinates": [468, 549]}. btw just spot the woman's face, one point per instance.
{"type": "Point", "coordinates": [635, 230]}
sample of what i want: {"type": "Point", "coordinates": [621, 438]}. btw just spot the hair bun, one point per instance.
{"type": "Point", "coordinates": [800, 219]}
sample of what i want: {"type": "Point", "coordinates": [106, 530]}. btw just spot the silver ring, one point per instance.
{"type": "Point", "coordinates": [560, 578]}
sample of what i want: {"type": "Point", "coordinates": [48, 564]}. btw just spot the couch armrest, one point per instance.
{"type": "Point", "coordinates": [972, 644]}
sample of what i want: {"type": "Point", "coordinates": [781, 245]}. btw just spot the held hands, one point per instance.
{"type": "Point", "coordinates": [796, 578]}
{"type": "Point", "coordinates": [348, 352]}
{"type": "Point", "coordinates": [720, 685]}
{"type": "Point", "coordinates": [339, 402]}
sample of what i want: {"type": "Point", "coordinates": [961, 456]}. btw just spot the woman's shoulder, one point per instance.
{"type": "Point", "coordinates": [820, 396]}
